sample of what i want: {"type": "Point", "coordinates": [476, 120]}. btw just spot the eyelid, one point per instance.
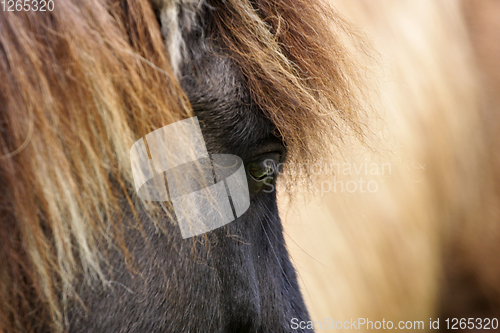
{"type": "Point", "coordinates": [274, 156]}
{"type": "Point", "coordinates": [272, 147]}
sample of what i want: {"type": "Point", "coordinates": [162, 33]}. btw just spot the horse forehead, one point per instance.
{"type": "Point", "coordinates": [211, 80]}
{"type": "Point", "coordinates": [175, 17]}
{"type": "Point", "coordinates": [220, 98]}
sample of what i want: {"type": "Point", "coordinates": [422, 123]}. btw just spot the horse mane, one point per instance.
{"type": "Point", "coordinates": [82, 83]}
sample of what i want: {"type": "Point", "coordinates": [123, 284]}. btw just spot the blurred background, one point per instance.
{"type": "Point", "coordinates": [410, 231]}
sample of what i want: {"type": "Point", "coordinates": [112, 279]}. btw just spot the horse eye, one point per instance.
{"type": "Point", "coordinates": [261, 169]}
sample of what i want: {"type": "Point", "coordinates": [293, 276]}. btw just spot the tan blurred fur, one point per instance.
{"type": "Point", "coordinates": [426, 243]}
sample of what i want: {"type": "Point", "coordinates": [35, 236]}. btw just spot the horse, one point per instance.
{"type": "Point", "coordinates": [84, 80]}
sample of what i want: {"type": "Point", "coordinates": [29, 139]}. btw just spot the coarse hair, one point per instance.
{"type": "Point", "coordinates": [80, 84]}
